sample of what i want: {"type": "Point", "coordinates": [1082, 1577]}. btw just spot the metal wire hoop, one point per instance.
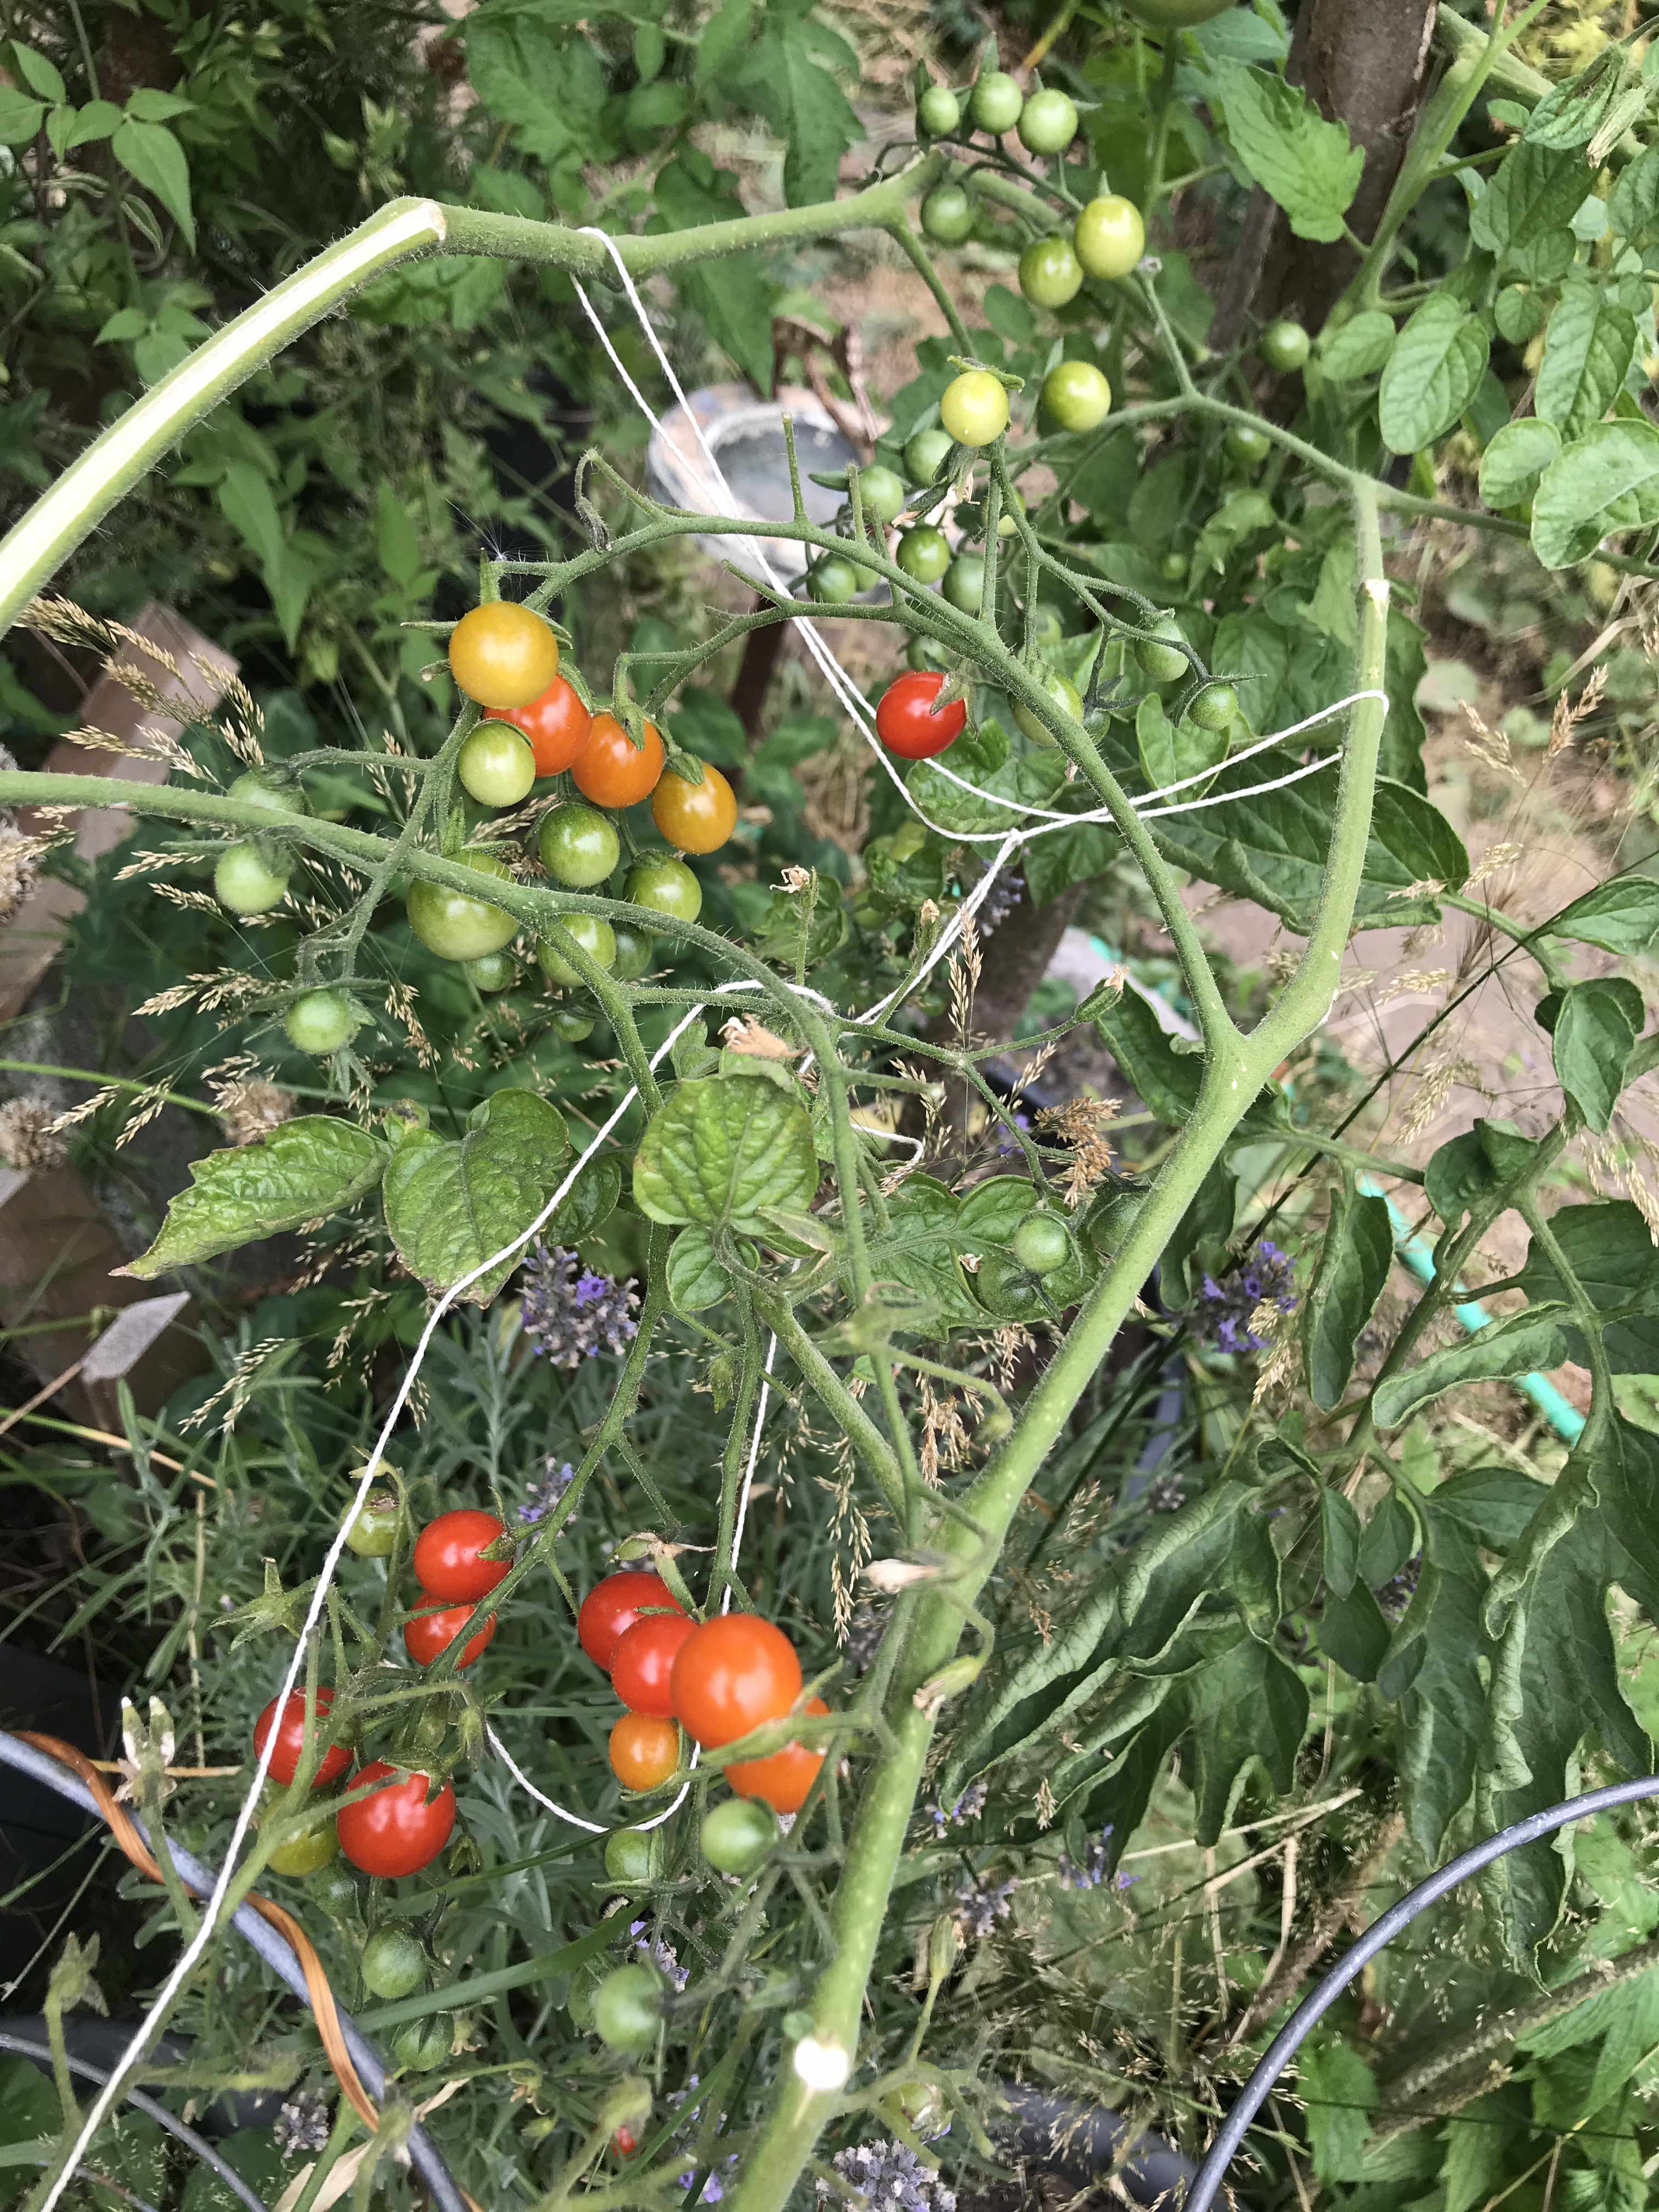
{"type": "Point", "coordinates": [1326, 1991]}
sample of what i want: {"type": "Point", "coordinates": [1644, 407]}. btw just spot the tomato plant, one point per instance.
{"type": "Point", "coordinates": [496, 765]}
{"type": "Point", "coordinates": [736, 1835]}
{"type": "Point", "coordinates": [290, 1731]}
{"type": "Point", "coordinates": [996, 102]}
{"type": "Point", "coordinates": [1048, 122]}
{"type": "Point", "coordinates": [1077, 396]}
{"type": "Point", "coordinates": [923, 551]}
{"type": "Point", "coordinates": [628, 2008]}
{"type": "Point", "coordinates": [665, 887]}
{"type": "Point", "coordinates": [320, 1022]}
{"type": "Point", "coordinates": [909, 724]}
{"type": "Point", "coordinates": [1050, 276]}
{"type": "Point", "coordinates": [730, 1674]}
{"type": "Point", "coordinates": [390, 1824]}
{"type": "Point", "coordinates": [393, 1965]}
{"type": "Point", "coordinates": [947, 215]}
{"type": "Point", "coordinates": [587, 931]}
{"type": "Point", "coordinates": [1109, 236]}
{"type": "Point", "coordinates": [975, 407]}
{"type": "Point", "coordinates": [248, 879]}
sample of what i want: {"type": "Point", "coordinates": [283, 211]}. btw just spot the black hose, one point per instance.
{"type": "Point", "coordinates": [41, 2054]}
{"type": "Point", "coordinates": [1084, 2142]}
{"type": "Point", "coordinates": [275, 1951]}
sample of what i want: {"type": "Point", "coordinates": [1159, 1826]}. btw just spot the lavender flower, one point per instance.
{"type": "Point", "coordinates": [1165, 1493]}
{"type": "Point", "coordinates": [1227, 1309]}
{"type": "Point", "coordinates": [1091, 1872]}
{"type": "Point", "coordinates": [968, 1806]}
{"type": "Point", "coordinates": [301, 2125]}
{"type": "Point", "coordinates": [573, 1316]}
{"type": "Point", "coordinates": [714, 2187]}
{"type": "Point", "coordinates": [1003, 895]}
{"type": "Point", "coordinates": [1395, 1595]}
{"type": "Point", "coordinates": [1021, 1121]}
{"type": "Point", "coordinates": [657, 1953]}
{"type": "Point", "coordinates": [889, 2173]}
{"type": "Point", "coordinates": [543, 1496]}
{"type": "Point", "coordinates": [978, 1904]}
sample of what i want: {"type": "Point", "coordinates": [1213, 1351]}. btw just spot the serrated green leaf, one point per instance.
{"type": "Point", "coordinates": [1514, 460]}
{"type": "Point", "coordinates": [307, 1169]}
{"type": "Point", "coordinates": [721, 41]}
{"type": "Point", "coordinates": [1248, 1709]}
{"type": "Point", "coordinates": [149, 152]}
{"type": "Point", "coordinates": [1606, 480]}
{"type": "Point", "coordinates": [1358, 348]}
{"type": "Point", "coordinates": [1595, 1029]}
{"type": "Point", "coordinates": [793, 75]}
{"type": "Point", "coordinates": [1515, 1346]}
{"type": "Point", "coordinates": [1171, 751]}
{"type": "Point", "coordinates": [1524, 216]}
{"type": "Point", "coordinates": [450, 1205]}
{"type": "Point", "coordinates": [1570, 115]}
{"type": "Point", "coordinates": [696, 1279]}
{"type": "Point", "coordinates": [735, 296]}
{"type": "Point", "coordinates": [1339, 1537]}
{"type": "Point", "coordinates": [1588, 350]}
{"type": "Point", "coordinates": [722, 1150]}
{"type": "Point", "coordinates": [248, 505]}
{"type": "Point", "coordinates": [1633, 204]}
{"type": "Point", "coordinates": [250, 2153]}
{"type": "Point", "coordinates": [1309, 164]}
{"type": "Point", "coordinates": [1354, 1258]}
{"type": "Point", "coordinates": [1340, 2092]}
{"type": "Point", "coordinates": [1611, 1251]}
{"type": "Point", "coordinates": [1437, 362]}
{"type": "Point", "coordinates": [1621, 916]}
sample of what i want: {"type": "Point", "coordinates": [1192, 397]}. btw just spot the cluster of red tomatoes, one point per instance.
{"type": "Point", "coordinates": [391, 1822]}
{"type": "Point", "coordinates": [716, 1679]}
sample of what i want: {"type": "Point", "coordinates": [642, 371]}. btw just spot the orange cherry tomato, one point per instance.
{"type": "Point", "coordinates": [731, 1673]}
{"type": "Point", "coordinates": [503, 654]}
{"type": "Point", "coordinates": [611, 1608]}
{"type": "Point", "coordinates": [644, 1751]}
{"type": "Point", "coordinates": [556, 726]}
{"type": "Point", "coordinates": [698, 817]}
{"type": "Point", "coordinates": [435, 1628]}
{"type": "Point", "coordinates": [783, 1777]}
{"type": "Point", "coordinates": [643, 1664]}
{"type": "Point", "coordinates": [610, 769]}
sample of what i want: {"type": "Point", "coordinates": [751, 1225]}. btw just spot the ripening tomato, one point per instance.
{"type": "Point", "coordinates": [435, 1628]}
{"type": "Point", "coordinates": [664, 886]}
{"type": "Point", "coordinates": [924, 552]}
{"type": "Point", "coordinates": [730, 1674]}
{"type": "Point", "coordinates": [1076, 396]}
{"type": "Point", "coordinates": [906, 722]}
{"type": "Point", "coordinates": [448, 1562]}
{"type": "Point", "coordinates": [1064, 693]}
{"type": "Point", "coordinates": [1109, 236]}
{"type": "Point", "coordinates": [643, 1664]}
{"type": "Point", "coordinates": [1247, 445]}
{"type": "Point", "coordinates": [290, 1739]}
{"type": "Point", "coordinates": [1048, 122]}
{"type": "Point", "coordinates": [610, 769]}
{"type": "Point", "coordinates": [927, 454]}
{"type": "Point", "coordinates": [1042, 1243]}
{"type": "Point", "coordinates": [454, 926]}
{"type": "Point", "coordinates": [246, 880]}
{"type": "Point", "coordinates": [612, 1607]}
{"type": "Point", "coordinates": [593, 935]}
{"type": "Point", "coordinates": [320, 1022]}
{"type": "Point", "coordinates": [556, 725]}
{"type": "Point", "coordinates": [644, 1750]}
{"type": "Point", "coordinates": [1284, 345]}
{"type": "Point", "coordinates": [495, 765]}
{"type": "Point", "coordinates": [393, 1829]}
{"type": "Point", "coordinates": [698, 818]}
{"type": "Point", "coordinates": [312, 1849]}
{"type": "Point", "coordinates": [782, 1778]}
{"type": "Point", "coordinates": [938, 112]}
{"type": "Point", "coordinates": [503, 654]}
{"type": "Point", "coordinates": [975, 407]}
{"type": "Point", "coordinates": [996, 102]}
{"type": "Point", "coordinates": [1050, 274]}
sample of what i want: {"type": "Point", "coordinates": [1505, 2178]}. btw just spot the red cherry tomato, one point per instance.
{"type": "Point", "coordinates": [613, 1606]}
{"type": "Point", "coordinates": [290, 1738]}
{"type": "Point", "coordinates": [435, 1628]}
{"type": "Point", "coordinates": [556, 725]}
{"type": "Point", "coordinates": [446, 1561]}
{"type": "Point", "coordinates": [783, 1777]}
{"type": "Point", "coordinates": [644, 1751]}
{"type": "Point", "coordinates": [392, 1830]}
{"type": "Point", "coordinates": [643, 1664]}
{"type": "Point", "coordinates": [624, 2142]}
{"type": "Point", "coordinates": [906, 721]}
{"type": "Point", "coordinates": [610, 769]}
{"type": "Point", "coordinates": [732, 1673]}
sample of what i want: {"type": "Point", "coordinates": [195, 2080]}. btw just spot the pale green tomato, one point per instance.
{"type": "Point", "coordinates": [1109, 236]}
{"type": "Point", "coordinates": [1064, 693]}
{"type": "Point", "coordinates": [596, 939]}
{"type": "Point", "coordinates": [996, 103]}
{"type": "Point", "coordinates": [975, 408]}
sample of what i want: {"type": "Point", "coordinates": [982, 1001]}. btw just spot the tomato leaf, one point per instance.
{"type": "Point", "coordinates": [1518, 457]}
{"type": "Point", "coordinates": [1536, 1340]}
{"type": "Point", "coordinates": [1437, 362]}
{"type": "Point", "coordinates": [1596, 1024]}
{"type": "Point", "coordinates": [1606, 480]}
{"type": "Point", "coordinates": [1621, 916]}
{"type": "Point", "coordinates": [1611, 1251]}
{"type": "Point", "coordinates": [696, 1279]}
{"type": "Point", "coordinates": [150, 153]}
{"type": "Point", "coordinates": [1359, 347]}
{"type": "Point", "coordinates": [793, 75]}
{"type": "Point", "coordinates": [1588, 350]}
{"type": "Point", "coordinates": [1310, 167]}
{"type": "Point", "coordinates": [722, 1150]}
{"type": "Point", "coordinates": [1354, 1260]}
{"type": "Point", "coordinates": [306, 1169]}
{"type": "Point", "coordinates": [450, 1204]}
{"type": "Point", "coordinates": [1525, 213]}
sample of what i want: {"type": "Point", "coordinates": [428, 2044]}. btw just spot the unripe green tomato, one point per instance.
{"type": "Point", "coordinates": [1247, 445]}
{"type": "Point", "coordinates": [1047, 123]}
{"type": "Point", "coordinates": [1006, 1288]}
{"type": "Point", "coordinates": [1172, 566]}
{"type": "Point", "coordinates": [1064, 693]}
{"type": "Point", "coordinates": [737, 1834]}
{"type": "Point", "coordinates": [1048, 630]}
{"type": "Point", "coordinates": [495, 765]}
{"type": "Point", "coordinates": [664, 886]}
{"type": "Point", "coordinates": [996, 103]}
{"type": "Point", "coordinates": [245, 882]}
{"type": "Point", "coordinates": [1077, 396]}
{"type": "Point", "coordinates": [394, 1964]}
{"type": "Point", "coordinates": [572, 1026]}
{"type": "Point", "coordinates": [924, 653]}
{"type": "Point", "coordinates": [579, 845]}
{"type": "Point", "coordinates": [634, 948]}
{"type": "Point", "coordinates": [337, 1888]}
{"type": "Point", "coordinates": [629, 1854]}
{"type": "Point", "coordinates": [1041, 1243]}
{"type": "Point", "coordinates": [455, 925]}
{"type": "Point", "coordinates": [494, 972]}
{"type": "Point", "coordinates": [374, 1531]}
{"type": "Point", "coordinates": [964, 580]}
{"type": "Point", "coordinates": [906, 841]}
{"type": "Point", "coordinates": [1165, 664]}
{"type": "Point", "coordinates": [320, 1022]}
{"type": "Point", "coordinates": [258, 786]}
{"type": "Point", "coordinates": [424, 2044]}
{"type": "Point", "coordinates": [924, 553]}
{"type": "Point", "coordinates": [1215, 706]}
{"type": "Point", "coordinates": [1109, 236]}
{"type": "Point", "coordinates": [947, 215]}
{"type": "Point", "coordinates": [1284, 345]}
{"type": "Point", "coordinates": [881, 492]}
{"type": "Point", "coordinates": [833, 581]}
{"type": "Point", "coordinates": [309, 1851]}
{"type": "Point", "coordinates": [595, 938]}
{"type": "Point", "coordinates": [975, 407]}
{"type": "Point", "coordinates": [925, 454]}
{"type": "Point", "coordinates": [628, 2008]}
{"type": "Point", "coordinates": [938, 113]}
{"type": "Point", "coordinates": [1050, 274]}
